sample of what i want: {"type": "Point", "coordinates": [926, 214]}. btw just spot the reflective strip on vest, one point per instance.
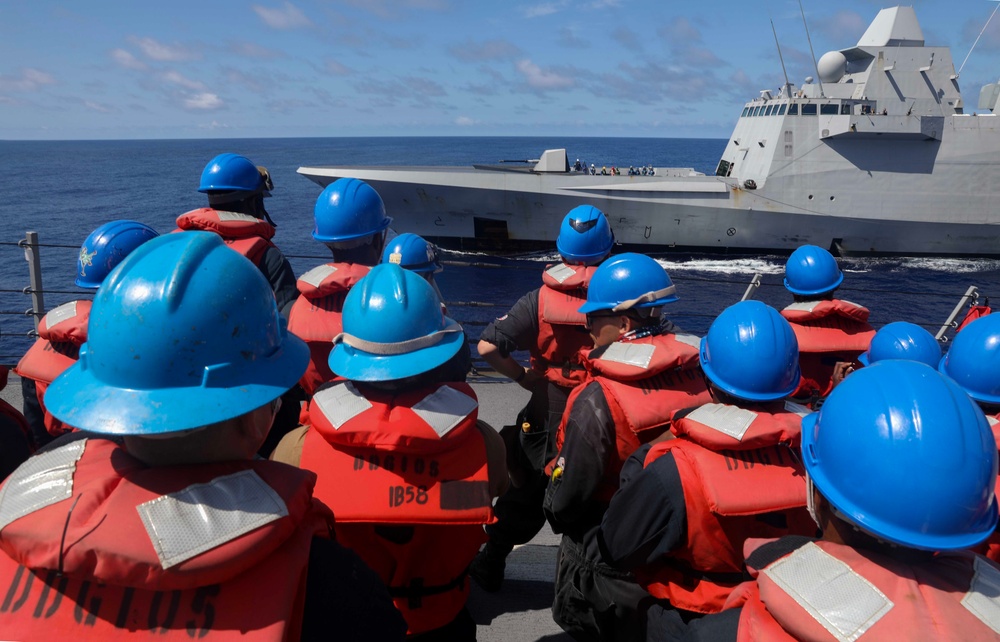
{"type": "Point", "coordinates": [56, 316]}
{"type": "Point", "coordinates": [837, 597]}
{"type": "Point", "coordinates": [41, 481]}
{"type": "Point", "coordinates": [796, 408]}
{"type": "Point", "coordinates": [341, 403]}
{"type": "Point", "coordinates": [316, 275]}
{"type": "Point", "coordinates": [631, 354]}
{"type": "Point", "coordinates": [236, 216]}
{"type": "Point", "coordinates": [803, 306]}
{"type": "Point", "coordinates": [729, 420]}
{"type": "Point", "coordinates": [560, 272]}
{"type": "Point", "coordinates": [983, 598]}
{"type": "Point", "coordinates": [692, 340]}
{"type": "Point", "coordinates": [201, 517]}
{"type": "Point", "coordinates": [993, 420]}
{"type": "Point", "coordinates": [444, 409]}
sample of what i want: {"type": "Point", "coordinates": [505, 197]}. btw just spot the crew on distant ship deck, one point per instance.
{"type": "Point", "coordinates": [156, 521]}
{"type": "Point", "coordinates": [640, 372]}
{"type": "Point", "coordinates": [236, 189]}
{"type": "Point", "coordinates": [900, 467]}
{"type": "Point", "coordinates": [830, 331]}
{"type": "Point", "coordinates": [64, 329]}
{"type": "Point", "coordinates": [727, 471]}
{"type": "Point", "coordinates": [350, 220]}
{"type": "Point", "coordinates": [403, 461]}
{"type": "Point", "coordinates": [973, 362]}
{"type": "Point", "coordinates": [545, 322]}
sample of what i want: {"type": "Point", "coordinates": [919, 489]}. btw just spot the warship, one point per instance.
{"type": "Point", "coordinates": [878, 156]}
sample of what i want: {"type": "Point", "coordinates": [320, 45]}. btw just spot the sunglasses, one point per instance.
{"type": "Point", "coordinates": [590, 316]}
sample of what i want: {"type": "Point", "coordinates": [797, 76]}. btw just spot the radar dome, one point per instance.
{"type": "Point", "coordinates": [832, 66]}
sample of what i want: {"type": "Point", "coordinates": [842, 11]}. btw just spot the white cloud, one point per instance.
{"type": "Point", "coordinates": [214, 125]}
{"type": "Point", "coordinates": [337, 69]}
{"type": "Point", "coordinates": [287, 17]}
{"type": "Point", "coordinates": [203, 101]}
{"type": "Point", "coordinates": [127, 60]}
{"type": "Point", "coordinates": [178, 79]}
{"type": "Point", "coordinates": [543, 9]}
{"type": "Point", "coordinates": [537, 78]}
{"type": "Point", "coordinates": [104, 109]}
{"type": "Point", "coordinates": [156, 50]}
{"type": "Point", "coordinates": [464, 121]}
{"type": "Point", "coordinates": [28, 80]}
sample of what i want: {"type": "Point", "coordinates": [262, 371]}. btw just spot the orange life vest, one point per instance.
{"type": "Point", "coordinates": [824, 592]}
{"type": "Point", "coordinates": [827, 332]}
{"type": "Point", "coordinates": [316, 315]}
{"type": "Point", "coordinates": [98, 546]}
{"type": "Point", "coordinates": [742, 477]}
{"type": "Point", "coordinates": [248, 235]}
{"type": "Point", "coordinates": [644, 382]}
{"type": "Point", "coordinates": [415, 459]}
{"type": "Point", "coordinates": [562, 332]}
{"type": "Point", "coordinates": [60, 334]}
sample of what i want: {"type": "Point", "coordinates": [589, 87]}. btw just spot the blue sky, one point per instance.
{"type": "Point", "coordinates": [221, 68]}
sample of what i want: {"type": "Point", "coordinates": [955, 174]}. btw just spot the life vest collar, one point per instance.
{"type": "Point", "coordinates": [331, 278]}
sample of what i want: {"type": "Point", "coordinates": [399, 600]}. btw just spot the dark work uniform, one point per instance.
{"type": "Point", "coordinates": [519, 510]}
{"type": "Point", "coordinates": [590, 595]}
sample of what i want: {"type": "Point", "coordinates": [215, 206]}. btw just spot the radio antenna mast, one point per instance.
{"type": "Point", "coordinates": [811, 52]}
{"type": "Point", "coordinates": [788, 85]}
{"type": "Point", "coordinates": [977, 40]}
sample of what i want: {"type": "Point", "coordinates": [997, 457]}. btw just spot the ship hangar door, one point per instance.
{"type": "Point", "coordinates": [490, 229]}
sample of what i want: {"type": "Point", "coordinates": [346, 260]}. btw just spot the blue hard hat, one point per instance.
{"type": "Point", "coordinates": [412, 252]}
{"type": "Point", "coordinates": [585, 236]}
{"type": "Point", "coordinates": [902, 340]}
{"type": "Point", "coordinates": [903, 453]}
{"type": "Point", "coordinates": [812, 270]}
{"type": "Point", "coordinates": [106, 247]}
{"type": "Point", "coordinates": [348, 209]}
{"type": "Point", "coordinates": [232, 172]}
{"type": "Point", "coordinates": [393, 328]}
{"type": "Point", "coordinates": [629, 281]}
{"type": "Point", "coordinates": [184, 333]}
{"type": "Point", "coordinates": [973, 360]}
{"type": "Point", "coordinates": [751, 352]}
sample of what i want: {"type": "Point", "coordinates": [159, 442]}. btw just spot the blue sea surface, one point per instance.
{"type": "Point", "coordinates": [65, 189]}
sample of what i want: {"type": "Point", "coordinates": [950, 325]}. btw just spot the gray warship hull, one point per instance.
{"type": "Point", "coordinates": [878, 158]}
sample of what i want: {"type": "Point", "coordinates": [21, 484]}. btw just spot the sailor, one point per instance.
{"type": "Point", "coordinates": [63, 330]}
{"type": "Point", "coordinates": [350, 220]}
{"type": "Point", "coordinates": [829, 330]}
{"type": "Point", "coordinates": [576, 166]}
{"type": "Point", "coordinates": [593, 170]}
{"type": "Point", "coordinates": [902, 340]}
{"type": "Point", "coordinates": [403, 461]}
{"type": "Point", "coordinates": [727, 471]}
{"type": "Point", "coordinates": [891, 564]}
{"type": "Point", "coordinates": [236, 189]}
{"type": "Point", "coordinates": [641, 372]}
{"type": "Point", "coordinates": [155, 521]}
{"type": "Point", "coordinates": [973, 362]}
{"type": "Point", "coordinates": [545, 322]}
{"type": "Point", "coordinates": [411, 252]}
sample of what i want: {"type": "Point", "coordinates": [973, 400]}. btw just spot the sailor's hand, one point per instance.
{"type": "Point", "coordinates": [840, 371]}
{"type": "Point", "coordinates": [530, 379]}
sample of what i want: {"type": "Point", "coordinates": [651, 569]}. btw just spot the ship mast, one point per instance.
{"type": "Point", "coordinates": [977, 41]}
{"type": "Point", "coordinates": [811, 52]}
{"type": "Point", "coordinates": [788, 85]}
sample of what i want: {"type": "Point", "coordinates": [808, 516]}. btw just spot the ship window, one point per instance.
{"type": "Point", "coordinates": [845, 109]}
{"type": "Point", "coordinates": [769, 109]}
{"type": "Point", "coordinates": [828, 109]}
{"type": "Point", "coordinates": [723, 169]}
{"type": "Point", "coordinates": [781, 109]}
{"type": "Point", "coordinates": [756, 110]}
{"type": "Point", "coordinates": [809, 109]}
{"type": "Point", "coordinates": [793, 109]}
{"type": "Point", "coordinates": [745, 110]}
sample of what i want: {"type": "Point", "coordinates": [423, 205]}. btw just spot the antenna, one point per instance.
{"type": "Point", "coordinates": [977, 40]}
{"type": "Point", "coordinates": [788, 85]}
{"type": "Point", "coordinates": [811, 52]}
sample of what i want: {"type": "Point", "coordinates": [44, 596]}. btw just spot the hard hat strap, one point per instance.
{"type": "Point", "coordinates": [645, 298]}
{"type": "Point", "coordinates": [399, 347]}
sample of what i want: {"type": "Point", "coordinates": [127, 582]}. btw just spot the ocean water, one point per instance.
{"type": "Point", "coordinates": [63, 190]}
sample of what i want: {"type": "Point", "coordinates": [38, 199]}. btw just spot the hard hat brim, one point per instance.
{"type": "Point", "coordinates": [823, 290]}
{"type": "Point", "coordinates": [358, 365]}
{"type": "Point", "coordinates": [79, 399]}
